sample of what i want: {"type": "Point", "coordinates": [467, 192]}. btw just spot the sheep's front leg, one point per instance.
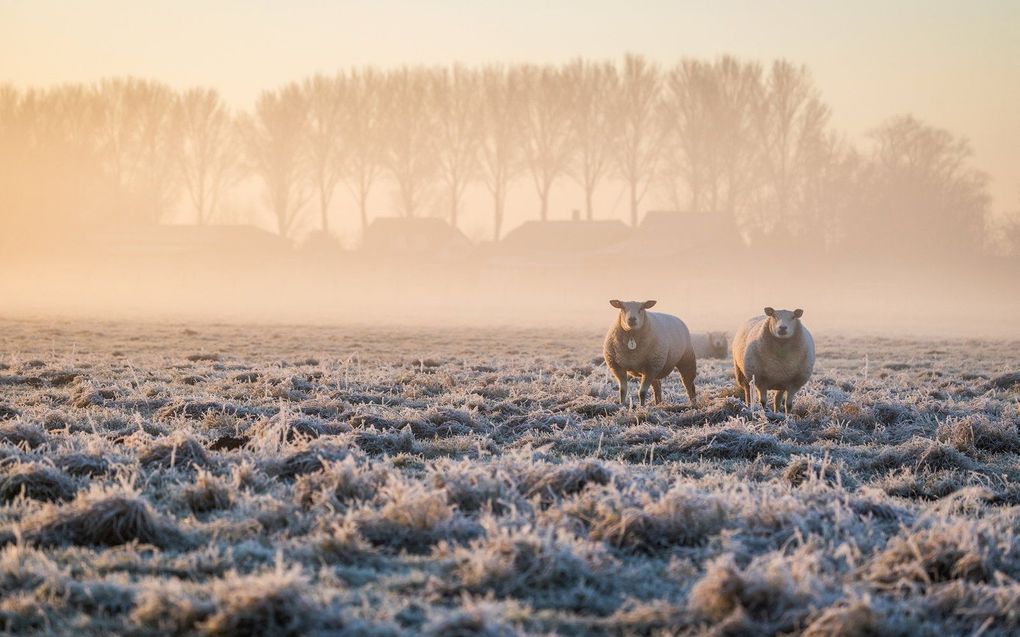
{"type": "Point", "coordinates": [779, 402]}
{"type": "Point", "coordinates": [657, 388]}
{"type": "Point", "coordinates": [789, 394]}
{"type": "Point", "coordinates": [646, 382]}
{"type": "Point", "coordinates": [621, 377]}
{"type": "Point", "coordinates": [744, 386]}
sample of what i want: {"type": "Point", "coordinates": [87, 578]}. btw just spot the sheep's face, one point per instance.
{"type": "Point", "coordinates": [717, 342]}
{"type": "Point", "coordinates": [632, 313]}
{"type": "Point", "coordinates": [783, 323]}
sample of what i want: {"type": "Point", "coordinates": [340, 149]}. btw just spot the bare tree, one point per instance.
{"type": "Point", "coordinates": [209, 157]}
{"type": "Point", "coordinates": [640, 141]}
{"type": "Point", "coordinates": [455, 94]}
{"type": "Point", "coordinates": [140, 140]}
{"type": "Point", "coordinates": [708, 113]}
{"type": "Point", "coordinates": [500, 150]}
{"type": "Point", "coordinates": [326, 100]}
{"type": "Point", "coordinates": [922, 191]}
{"type": "Point", "coordinates": [546, 119]}
{"type": "Point", "coordinates": [361, 128]}
{"type": "Point", "coordinates": [594, 87]}
{"type": "Point", "coordinates": [275, 143]}
{"type": "Point", "coordinates": [790, 124]}
{"type": "Point", "coordinates": [410, 135]}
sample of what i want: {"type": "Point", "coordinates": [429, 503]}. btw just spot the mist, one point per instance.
{"type": "Point", "coordinates": [497, 194]}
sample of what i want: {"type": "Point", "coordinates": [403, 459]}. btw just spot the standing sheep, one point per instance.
{"type": "Point", "coordinates": [709, 344]}
{"type": "Point", "coordinates": [774, 351]}
{"type": "Point", "coordinates": [649, 345]}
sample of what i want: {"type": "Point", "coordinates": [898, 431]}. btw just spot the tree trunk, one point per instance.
{"type": "Point", "coordinates": [588, 211]}
{"type": "Point", "coordinates": [633, 204]}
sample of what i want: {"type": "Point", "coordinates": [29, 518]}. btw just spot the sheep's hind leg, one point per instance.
{"type": "Point", "coordinates": [688, 368]}
{"type": "Point", "coordinates": [743, 385]}
{"type": "Point", "coordinates": [657, 388]}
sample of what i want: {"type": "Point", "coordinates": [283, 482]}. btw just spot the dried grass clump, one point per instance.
{"type": "Point", "coordinates": [551, 482]}
{"type": "Point", "coordinates": [943, 553]}
{"type": "Point", "coordinates": [340, 542]}
{"type": "Point", "coordinates": [167, 608]}
{"type": "Point", "coordinates": [472, 488]}
{"type": "Point", "coordinates": [681, 517]}
{"type": "Point", "coordinates": [99, 518]}
{"type": "Point", "coordinates": [181, 451]}
{"type": "Point", "coordinates": [207, 492]}
{"type": "Point", "coordinates": [802, 469]}
{"type": "Point", "coordinates": [389, 443]}
{"type": "Point", "coordinates": [413, 518]}
{"type": "Point", "coordinates": [980, 604]}
{"type": "Point", "coordinates": [772, 595]}
{"type": "Point", "coordinates": [921, 453]}
{"type": "Point", "coordinates": [308, 460]}
{"type": "Point", "coordinates": [21, 434]}
{"type": "Point", "coordinates": [856, 619]}
{"type": "Point", "coordinates": [728, 444]}
{"type": "Point", "coordinates": [549, 567]}
{"type": "Point", "coordinates": [340, 483]}
{"type": "Point", "coordinates": [472, 619]}
{"type": "Point", "coordinates": [83, 464]}
{"type": "Point", "coordinates": [37, 482]}
{"type": "Point", "coordinates": [278, 603]}
{"type": "Point", "coordinates": [973, 434]}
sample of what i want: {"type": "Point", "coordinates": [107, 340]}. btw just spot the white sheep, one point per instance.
{"type": "Point", "coordinates": [710, 344]}
{"type": "Point", "coordinates": [649, 345]}
{"type": "Point", "coordinates": [774, 351]}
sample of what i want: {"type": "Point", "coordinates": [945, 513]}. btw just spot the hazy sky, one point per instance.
{"type": "Point", "coordinates": [953, 64]}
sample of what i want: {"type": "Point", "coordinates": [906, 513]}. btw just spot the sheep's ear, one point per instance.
{"type": "Point", "coordinates": [769, 311]}
{"type": "Point", "coordinates": [798, 313]}
{"type": "Point", "coordinates": [615, 303]}
{"type": "Point", "coordinates": [648, 304]}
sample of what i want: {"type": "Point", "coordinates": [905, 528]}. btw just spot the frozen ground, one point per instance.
{"type": "Point", "coordinates": [227, 480]}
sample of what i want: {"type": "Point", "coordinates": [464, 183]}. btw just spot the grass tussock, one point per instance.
{"type": "Point", "coordinates": [681, 517]}
{"type": "Point", "coordinates": [35, 481]}
{"type": "Point", "coordinates": [181, 451]}
{"type": "Point", "coordinates": [101, 518]}
{"type": "Point", "coordinates": [412, 518]}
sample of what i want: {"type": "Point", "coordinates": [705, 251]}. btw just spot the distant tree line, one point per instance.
{"type": "Point", "coordinates": [725, 136]}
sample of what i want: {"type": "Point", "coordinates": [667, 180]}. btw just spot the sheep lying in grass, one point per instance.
{"type": "Point", "coordinates": [774, 351]}
{"type": "Point", "coordinates": [649, 345]}
{"type": "Point", "coordinates": [709, 344]}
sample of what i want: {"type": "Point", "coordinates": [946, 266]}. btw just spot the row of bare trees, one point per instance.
{"type": "Point", "coordinates": [724, 136]}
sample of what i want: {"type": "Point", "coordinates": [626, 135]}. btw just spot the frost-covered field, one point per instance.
{"type": "Point", "coordinates": [273, 480]}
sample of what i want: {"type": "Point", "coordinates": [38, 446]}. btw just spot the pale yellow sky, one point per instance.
{"type": "Point", "coordinates": [953, 64]}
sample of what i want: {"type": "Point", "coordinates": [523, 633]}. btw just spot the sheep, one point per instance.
{"type": "Point", "coordinates": [774, 351]}
{"type": "Point", "coordinates": [649, 345]}
{"type": "Point", "coordinates": [710, 344]}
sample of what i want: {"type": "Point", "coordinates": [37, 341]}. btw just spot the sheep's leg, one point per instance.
{"type": "Point", "coordinates": [688, 368]}
{"type": "Point", "coordinates": [646, 382]}
{"type": "Point", "coordinates": [743, 384]}
{"type": "Point", "coordinates": [779, 402]}
{"type": "Point", "coordinates": [657, 388]}
{"type": "Point", "coordinates": [621, 377]}
{"type": "Point", "coordinates": [790, 392]}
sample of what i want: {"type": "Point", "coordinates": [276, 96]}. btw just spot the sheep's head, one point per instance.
{"type": "Point", "coordinates": [783, 323]}
{"type": "Point", "coordinates": [717, 342]}
{"type": "Point", "coordinates": [632, 313]}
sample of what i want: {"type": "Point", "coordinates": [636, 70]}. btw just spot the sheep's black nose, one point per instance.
{"type": "Point", "coordinates": [782, 330]}
{"type": "Point", "coordinates": [632, 321]}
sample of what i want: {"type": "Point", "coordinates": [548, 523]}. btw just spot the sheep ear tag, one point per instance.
{"type": "Point", "coordinates": [632, 344]}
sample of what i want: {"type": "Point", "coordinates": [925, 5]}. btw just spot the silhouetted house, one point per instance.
{"type": "Point", "coordinates": [190, 241]}
{"type": "Point", "coordinates": [418, 238]}
{"type": "Point", "coordinates": [668, 234]}
{"type": "Point", "coordinates": [549, 242]}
